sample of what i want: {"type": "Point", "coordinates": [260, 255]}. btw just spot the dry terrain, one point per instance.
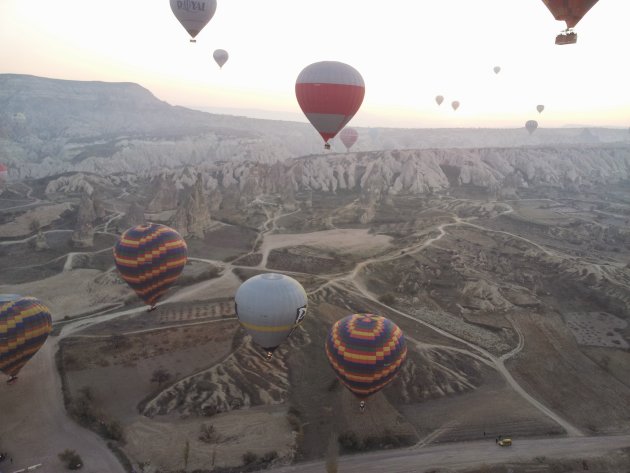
{"type": "Point", "coordinates": [515, 312]}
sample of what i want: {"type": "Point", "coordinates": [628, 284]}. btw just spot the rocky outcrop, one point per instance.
{"type": "Point", "coordinates": [83, 236]}
{"type": "Point", "coordinates": [192, 218]}
{"type": "Point", "coordinates": [165, 195]}
{"type": "Point", "coordinates": [133, 217]}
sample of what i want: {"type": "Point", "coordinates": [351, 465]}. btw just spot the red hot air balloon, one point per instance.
{"type": "Point", "coordinates": [4, 172]}
{"type": "Point", "coordinates": [329, 93]}
{"type": "Point", "coordinates": [366, 352]}
{"type": "Point", "coordinates": [349, 136]}
{"type": "Point", "coordinates": [571, 12]}
{"type": "Point", "coordinates": [150, 258]}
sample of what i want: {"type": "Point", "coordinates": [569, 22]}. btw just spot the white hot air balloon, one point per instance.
{"type": "Point", "coordinates": [194, 15]}
{"type": "Point", "coordinates": [220, 56]}
{"type": "Point", "coordinates": [269, 307]}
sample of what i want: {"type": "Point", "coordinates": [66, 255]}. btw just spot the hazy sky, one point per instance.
{"type": "Point", "coordinates": [408, 51]}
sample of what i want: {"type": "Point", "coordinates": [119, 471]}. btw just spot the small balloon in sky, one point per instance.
{"type": "Point", "coordinates": [531, 126]}
{"type": "Point", "coordinates": [220, 56]}
{"type": "Point", "coordinates": [194, 15]}
{"type": "Point", "coordinates": [540, 108]}
{"type": "Point", "coordinates": [455, 104]}
{"type": "Point", "coordinates": [439, 99]}
{"type": "Point", "coordinates": [497, 69]}
{"type": "Point", "coordinates": [349, 137]}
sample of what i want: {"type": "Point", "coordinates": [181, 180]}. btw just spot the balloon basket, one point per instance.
{"type": "Point", "coordinates": [566, 37]}
{"type": "Point", "coordinates": [327, 146]}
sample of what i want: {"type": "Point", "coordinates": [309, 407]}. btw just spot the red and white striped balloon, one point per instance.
{"type": "Point", "coordinates": [329, 93]}
{"type": "Point", "coordinates": [349, 136]}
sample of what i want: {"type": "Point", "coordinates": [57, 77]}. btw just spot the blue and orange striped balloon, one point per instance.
{"type": "Point", "coordinates": [366, 352]}
{"type": "Point", "coordinates": [24, 327]}
{"type": "Point", "coordinates": [150, 258]}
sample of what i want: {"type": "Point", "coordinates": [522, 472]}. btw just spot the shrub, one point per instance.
{"type": "Point", "coordinates": [71, 459]}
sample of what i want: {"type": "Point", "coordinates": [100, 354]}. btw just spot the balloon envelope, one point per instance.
{"type": "Point", "coordinates": [220, 56]}
{"type": "Point", "coordinates": [329, 93]}
{"type": "Point", "coordinates": [455, 105]}
{"type": "Point", "coordinates": [194, 15]}
{"type": "Point", "coordinates": [540, 108]}
{"type": "Point", "coordinates": [349, 136]}
{"type": "Point", "coordinates": [439, 99]}
{"type": "Point", "coordinates": [24, 327]}
{"type": "Point", "coordinates": [497, 69]}
{"type": "Point", "coordinates": [531, 126]}
{"type": "Point", "coordinates": [569, 11]}
{"type": "Point", "coordinates": [366, 352]}
{"type": "Point", "coordinates": [4, 173]}
{"type": "Point", "coordinates": [269, 307]}
{"type": "Point", "coordinates": [150, 258]}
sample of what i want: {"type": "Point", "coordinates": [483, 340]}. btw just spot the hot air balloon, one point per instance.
{"type": "Point", "coordinates": [220, 56]}
{"type": "Point", "coordinates": [496, 69]}
{"type": "Point", "coordinates": [455, 105]}
{"type": "Point", "coordinates": [531, 126]}
{"type": "Point", "coordinates": [4, 173]}
{"type": "Point", "coordinates": [571, 12]}
{"type": "Point", "coordinates": [269, 307]}
{"type": "Point", "coordinates": [150, 258]}
{"type": "Point", "coordinates": [540, 108]}
{"type": "Point", "coordinates": [366, 352]}
{"type": "Point", "coordinates": [439, 99]}
{"type": "Point", "coordinates": [329, 93]}
{"type": "Point", "coordinates": [24, 327]}
{"type": "Point", "coordinates": [194, 14]}
{"type": "Point", "coordinates": [349, 136]}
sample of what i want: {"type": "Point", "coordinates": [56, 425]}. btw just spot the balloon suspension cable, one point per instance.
{"type": "Point", "coordinates": [327, 146]}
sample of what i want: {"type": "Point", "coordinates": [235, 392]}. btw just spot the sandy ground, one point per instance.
{"type": "Point", "coordinates": [343, 240]}
{"type": "Point", "coordinates": [45, 215]}
{"type": "Point", "coordinates": [153, 438]}
{"type": "Point", "coordinates": [72, 292]}
{"type": "Point", "coordinates": [35, 427]}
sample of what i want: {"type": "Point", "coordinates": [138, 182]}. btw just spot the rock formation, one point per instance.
{"type": "Point", "coordinates": [83, 236]}
{"type": "Point", "coordinates": [192, 218]}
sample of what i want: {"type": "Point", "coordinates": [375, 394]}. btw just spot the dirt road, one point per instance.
{"type": "Point", "coordinates": [468, 455]}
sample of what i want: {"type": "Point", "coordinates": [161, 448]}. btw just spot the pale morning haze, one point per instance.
{"type": "Point", "coordinates": [408, 51]}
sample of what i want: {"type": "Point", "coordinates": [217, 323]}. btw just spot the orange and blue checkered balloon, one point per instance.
{"type": "Point", "coordinates": [24, 327]}
{"type": "Point", "coordinates": [366, 352]}
{"type": "Point", "coordinates": [150, 258]}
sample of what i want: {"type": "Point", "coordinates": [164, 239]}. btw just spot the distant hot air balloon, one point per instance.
{"type": "Point", "coordinates": [150, 258]}
{"type": "Point", "coordinates": [540, 108]}
{"type": "Point", "coordinates": [193, 14]}
{"type": "Point", "coordinates": [455, 104]}
{"type": "Point", "coordinates": [571, 12]}
{"type": "Point", "coordinates": [220, 56]}
{"type": "Point", "coordinates": [4, 173]}
{"type": "Point", "coordinates": [329, 93]}
{"type": "Point", "coordinates": [531, 126]}
{"type": "Point", "coordinates": [496, 69]}
{"type": "Point", "coordinates": [24, 327]}
{"type": "Point", "coordinates": [269, 307]}
{"type": "Point", "coordinates": [439, 99]}
{"type": "Point", "coordinates": [366, 352]}
{"type": "Point", "coordinates": [349, 136]}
